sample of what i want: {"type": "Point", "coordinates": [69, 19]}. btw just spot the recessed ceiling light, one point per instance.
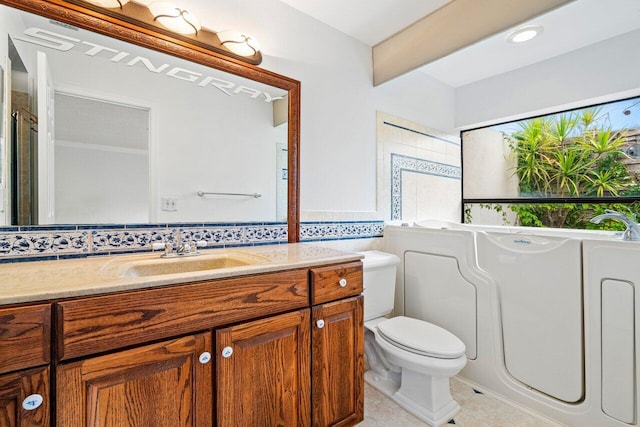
{"type": "Point", "coordinates": [524, 34]}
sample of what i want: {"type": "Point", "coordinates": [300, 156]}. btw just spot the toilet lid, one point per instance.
{"type": "Point", "coordinates": [420, 337]}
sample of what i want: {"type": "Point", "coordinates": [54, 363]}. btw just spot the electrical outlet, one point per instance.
{"type": "Point", "coordinates": [169, 205]}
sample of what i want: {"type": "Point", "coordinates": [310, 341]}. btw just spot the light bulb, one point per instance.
{"type": "Point", "coordinates": [172, 17]}
{"type": "Point", "coordinates": [524, 34]}
{"type": "Point", "coordinates": [239, 43]}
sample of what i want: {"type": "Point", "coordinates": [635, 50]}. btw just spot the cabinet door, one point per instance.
{"type": "Point", "coordinates": [24, 398]}
{"type": "Point", "coordinates": [338, 363]}
{"type": "Point", "coordinates": [168, 384]}
{"type": "Point", "coordinates": [263, 372]}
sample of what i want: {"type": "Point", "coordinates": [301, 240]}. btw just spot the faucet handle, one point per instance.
{"type": "Point", "coordinates": [169, 248]}
{"type": "Point", "coordinates": [195, 244]}
{"type": "Point", "coordinates": [158, 246]}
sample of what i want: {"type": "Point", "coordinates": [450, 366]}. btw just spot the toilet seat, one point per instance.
{"type": "Point", "coordinates": [420, 337]}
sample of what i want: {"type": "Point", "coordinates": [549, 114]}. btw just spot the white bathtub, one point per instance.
{"type": "Point", "coordinates": [548, 315]}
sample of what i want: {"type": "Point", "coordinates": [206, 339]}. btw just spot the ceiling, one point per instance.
{"type": "Point", "coordinates": [567, 28]}
{"type": "Point", "coordinates": [370, 21]}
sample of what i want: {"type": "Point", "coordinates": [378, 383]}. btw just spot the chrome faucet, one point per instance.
{"type": "Point", "coordinates": [633, 229]}
{"type": "Point", "coordinates": [178, 249]}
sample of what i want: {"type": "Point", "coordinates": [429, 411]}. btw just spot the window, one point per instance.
{"type": "Point", "coordinates": [558, 170]}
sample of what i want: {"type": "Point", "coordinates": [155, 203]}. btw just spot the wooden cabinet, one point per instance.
{"type": "Point", "coordinates": [168, 384]}
{"type": "Point", "coordinates": [25, 337]}
{"type": "Point", "coordinates": [337, 375]}
{"type": "Point", "coordinates": [273, 349]}
{"type": "Point", "coordinates": [263, 376]}
{"type": "Point", "coordinates": [31, 388]}
{"type": "Point", "coordinates": [263, 372]}
{"type": "Point", "coordinates": [338, 363]}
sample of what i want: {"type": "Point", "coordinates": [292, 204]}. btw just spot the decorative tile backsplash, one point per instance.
{"type": "Point", "coordinates": [35, 243]}
{"type": "Point", "coordinates": [214, 235]}
{"type": "Point", "coordinates": [314, 231]}
{"type": "Point", "coordinates": [111, 240]}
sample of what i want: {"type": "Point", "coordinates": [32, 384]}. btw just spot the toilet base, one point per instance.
{"type": "Point", "coordinates": [427, 397]}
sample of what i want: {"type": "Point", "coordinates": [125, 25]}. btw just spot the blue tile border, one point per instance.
{"type": "Point", "coordinates": [38, 243]}
{"type": "Point", "coordinates": [340, 230]}
{"type": "Point", "coordinates": [29, 259]}
{"type": "Point", "coordinates": [45, 242]}
{"type": "Point", "coordinates": [129, 239]}
{"type": "Point", "coordinates": [401, 163]}
{"type": "Point", "coordinates": [48, 227]}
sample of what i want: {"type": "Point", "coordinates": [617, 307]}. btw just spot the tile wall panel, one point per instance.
{"type": "Point", "coordinates": [35, 243]}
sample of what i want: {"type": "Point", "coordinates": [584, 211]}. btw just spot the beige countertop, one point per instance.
{"type": "Point", "coordinates": [47, 280]}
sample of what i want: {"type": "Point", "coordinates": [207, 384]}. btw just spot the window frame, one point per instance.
{"type": "Point", "coordinates": [539, 200]}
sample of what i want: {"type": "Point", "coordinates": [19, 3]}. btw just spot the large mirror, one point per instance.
{"type": "Point", "coordinates": [140, 128]}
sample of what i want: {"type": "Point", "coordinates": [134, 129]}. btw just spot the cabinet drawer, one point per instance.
{"type": "Point", "coordinates": [336, 282]}
{"type": "Point", "coordinates": [25, 336]}
{"type": "Point", "coordinates": [102, 323]}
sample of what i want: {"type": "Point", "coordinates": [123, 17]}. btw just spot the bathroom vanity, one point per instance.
{"type": "Point", "coordinates": [277, 342]}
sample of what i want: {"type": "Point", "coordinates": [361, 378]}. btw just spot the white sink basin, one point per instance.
{"type": "Point", "coordinates": [154, 265]}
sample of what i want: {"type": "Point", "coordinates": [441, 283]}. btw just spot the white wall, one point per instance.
{"type": "Point", "coordinates": [490, 164]}
{"type": "Point", "coordinates": [9, 22]}
{"type": "Point", "coordinates": [339, 102]}
{"type": "Point", "coordinates": [601, 72]}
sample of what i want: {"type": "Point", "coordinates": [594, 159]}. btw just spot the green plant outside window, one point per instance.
{"type": "Point", "coordinates": [569, 167]}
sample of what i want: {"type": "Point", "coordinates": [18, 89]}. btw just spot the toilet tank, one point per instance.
{"type": "Point", "coordinates": [379, 280]}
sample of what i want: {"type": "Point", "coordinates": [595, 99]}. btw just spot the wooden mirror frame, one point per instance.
{"type": "Point", "coordinates": [94, 20]}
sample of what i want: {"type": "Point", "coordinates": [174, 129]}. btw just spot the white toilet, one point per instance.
{"type": "Point", "coordinates": [410, 360]}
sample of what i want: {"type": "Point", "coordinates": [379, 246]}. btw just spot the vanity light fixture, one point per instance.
{"type": "Point", "coordinates": [109, 4]}
{"type": "Point", "coordinates": [524, 34]}
{"type": "Point", "coordinates": [165, 18]}
{"type": "Point", "coordinates": [239, 43]}
{"type": "Point", "coordinates": [174, 18]}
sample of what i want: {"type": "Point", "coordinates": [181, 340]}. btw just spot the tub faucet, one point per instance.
{"type": "Point", "coordinates": [633, 229]}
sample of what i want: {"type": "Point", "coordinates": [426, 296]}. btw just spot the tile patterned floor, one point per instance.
{"type": "Point", "coordinates": [478, 410]}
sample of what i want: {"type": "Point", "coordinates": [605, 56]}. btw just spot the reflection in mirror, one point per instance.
{"type": "Point", "coordinates": [94, 139]}
{"type": "Point", "coordinates": [119, 133]}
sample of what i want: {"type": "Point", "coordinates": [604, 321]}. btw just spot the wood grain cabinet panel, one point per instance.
{"type": "Point", "coordinates": [338, 363]}
{"type": "Point", "coordinates": [15, 388]}
{"type": "Point", "coordinates": [103, 323]}
{"type": "Point", "coordinates": [159, 385]}
{"type": "Point", "coordinates": [288, 351]}
{"type": "Point", "coordinates": [263, 376]}
{"type": "Point", "coordinates": [336, 282]}
{"type": "Point", "coordinates": [25, 337]}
